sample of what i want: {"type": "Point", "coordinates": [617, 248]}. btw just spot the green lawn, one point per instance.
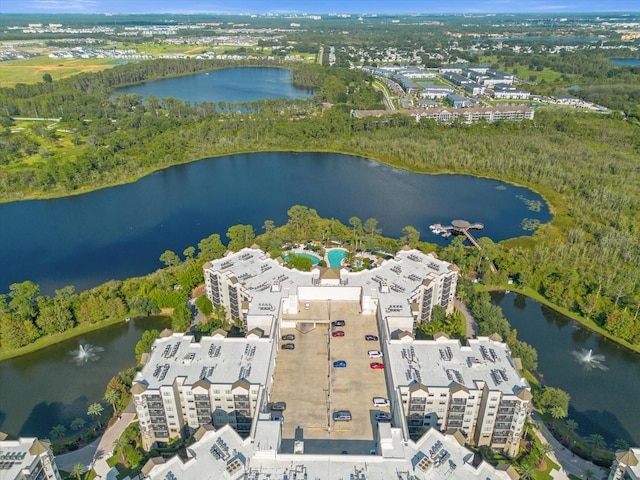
{"type": "Point", "coordinates": [31, 70]}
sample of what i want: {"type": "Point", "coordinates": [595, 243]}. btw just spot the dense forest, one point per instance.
{"type": "Point", "coordinates": [586, 166]}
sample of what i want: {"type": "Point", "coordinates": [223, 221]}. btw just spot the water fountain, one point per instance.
{"type": "Point", "coordinates": [588, 359]}
{"type": "Point", "coordinates": [85, 353]}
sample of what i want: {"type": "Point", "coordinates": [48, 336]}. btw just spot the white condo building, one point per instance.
{"type": "Point", "coordinates": [442, 394]}
{"type": "Point", "coordinates": [27, 459]}
{"type": "Point", "coordinates": [223, 454]}
{"type": "Point", "coordinates": [626, 465]}
{"type": "Point", "coordinates": [258, 290]}
{"type": "Point", "coordinates": [474, 388]}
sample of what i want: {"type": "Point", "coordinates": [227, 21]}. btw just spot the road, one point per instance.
{"type": "Point", "coordinates": [472, 326]}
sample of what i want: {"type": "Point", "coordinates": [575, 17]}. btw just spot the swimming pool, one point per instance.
{"type": "Point", "coordinates": [315, 260]}
{"type": "Point", "coordinates": [335, 257]}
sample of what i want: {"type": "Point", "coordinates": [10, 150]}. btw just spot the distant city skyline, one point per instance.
{"type": "Point", "coordinates": [327, 6]}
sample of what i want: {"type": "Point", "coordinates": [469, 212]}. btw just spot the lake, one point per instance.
{"type": "Point", "coordinates": [121, 232]}
{"type": "Point", "coordinates": [47, 387]}
{"type": "Point", "coordinates": [628, 62]}
{"type": "Point", "coordinates": [227, 85]}
{"type": "Point", "coordinates": [603, 400]}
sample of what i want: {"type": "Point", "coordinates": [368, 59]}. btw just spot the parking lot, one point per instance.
{"type": "Point", "coordinates": [313, 389]}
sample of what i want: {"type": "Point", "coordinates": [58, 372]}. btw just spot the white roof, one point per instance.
{"type": "Point", "coordinates": [15, 456]}
{"type": "Point", "coordinates": [221, 360]}
{"type": "Point", "coordinates": [223, 454]}
{"type": "Point", "coordinates": [443, 362]}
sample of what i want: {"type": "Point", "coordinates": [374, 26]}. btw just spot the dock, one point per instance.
{"type": "Point", "coordinates": [459, 227]}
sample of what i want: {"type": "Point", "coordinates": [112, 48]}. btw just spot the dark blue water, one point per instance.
{"type": "Point", "coordinates": [121, 232]}
{"type": "Point", "coordinates": [602, 401]}
{"type": "Point", "coordinates": [629, 62]}
{"type": "Point", "coordinates": [227, 85]}
{"type": "Point", "coordinates": [47, 388]}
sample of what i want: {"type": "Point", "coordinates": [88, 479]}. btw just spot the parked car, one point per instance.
{"type": "Point", "coordinates": [376, 365]}
{"type": "Point", "coordinates": [277, 418]}
{"type": "Point", "coordinates": [289, 346]}
{"type": "Point", "coordinates": [342, 416]}
{"type": "Point", "coordinates": [279, 406]}
{"type": "Point", "coordinates": [380, 402]}
{"type": "Point", "coordinates": [337, 333]}
{"type": "Point", "coordinates": [383, 417]}
{"type": "Point", "coordinates": [289, 336]}
{"type": "Point", "coordinates": [337, 323]}
{"type": "Point", "coordinates": [339, 364]}
{"type": "Point", "coordinates": [371, 338]}
{"type": "Point", "coordinates": [375, 354]}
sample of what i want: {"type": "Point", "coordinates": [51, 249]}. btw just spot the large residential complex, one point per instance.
{"type": "Point", "coordinates": [472, 390]}
{"type": "Point", "coordinates": [259, 291]}
{"type": "Point", "coordinates": [27, 459]}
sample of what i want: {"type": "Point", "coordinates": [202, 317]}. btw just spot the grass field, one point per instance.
{"type": "Point", "coordinates": [31, 70]}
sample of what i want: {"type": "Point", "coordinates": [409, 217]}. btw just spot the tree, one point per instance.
{"type": "Point", "coordinates": [77, 470]}
{"type": "Point", "coordinates": [180, 318]}
{"type": "Point", "coordinates": [526, 472]}
{"type": "Point", "coordinates": [240, 236]}
{"type": "Point", "coordinates": [95, 410]}
{"type": "Point", "coordinates": [621, 444]}
{"type": "Point", "coordinates": [144, 344]}
{"type": "Point", "coordinates": [410, 236]}
{"type": "Point", "coordinates": [211, 248]}
{"type": "Point", "coordinates": [544, 450]}
{"type": "Point", "coordinates": [77, 424]}
{"type": "Point", "coordinates": [554, 398]}
{"type": "Point", "coordinates": [356, 223]}
{"type": "Point", "coordinates": [204, 305]}
{"type": "Point", "coordinates": [112, 397]}
{"type": "Point", "coordinates": [169, 258]}
{"type": "Point", "coordinates": [58, 431]}
{"type": "Point", "coordinates": [189, 252]}
{"type": "Point", "coordinates": [588, 474]}
{"type": "Point", "coordinates": [596, 440]}
{"type": "Point", "coordinates": [46, 78]}
{"type": "Point", "coordinates": [121, 444]}
{"type": "Point", "coordinates": [572, 425]}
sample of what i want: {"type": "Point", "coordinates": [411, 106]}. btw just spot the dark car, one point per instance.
{"type": "Point", "coordinates": [371, 338]}
{"type": "Point", "coordinates": [289, 346]}
{"type": "Point", "coordinates": [383, 417]}
{"type": "Point", "coordinates": [338, 323]}
{"type": "Point", "coordinates": [337, 333]}
{"type": "Point", "coordinates": [289, 336]}
{"type": "Point", "coordinates": [279, 406]}
{"type": "Point", "coordinates": [339, 364]}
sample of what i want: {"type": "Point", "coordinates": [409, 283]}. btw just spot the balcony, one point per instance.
{"type": "Point", "coordinates": [457, 409]}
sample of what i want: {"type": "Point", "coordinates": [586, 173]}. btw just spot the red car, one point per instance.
{"type": "Point", "coordinates": [376, 365]}
{"type": "Point", "coordinates": [337, 333]}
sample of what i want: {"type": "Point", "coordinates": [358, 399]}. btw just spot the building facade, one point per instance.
{"type": "Point", "coordinates": [626, 465]}
{"type": "Point", "coordinates": [474, 388]}
{"type": "Point", "coordinates": [186, 384]}
{"type": "Point", "coordinates": [27, 459]}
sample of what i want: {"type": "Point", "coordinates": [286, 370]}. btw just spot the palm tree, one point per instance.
{"type": "Point", "coordinates": [77, 470]}
{"type": "Point", "coordinates": [121, 444]}
{"type": "Point", "coordinates": [544, 449]}
{"type": "Point", "coordinates": [621, 444]}
{"type": "Point", "coordinates": [95, 410]}
{"type": "Point", "coordinates": [78, 424]}
{"type": "Point", "coordinates": [596, 440]}
{"type": "Point", "coordinates": [572, 425]}
{"type": "Point", "coordinates": [58, 431]}
{"type": "Point", "coordinates": [588, 474]}
{"type": "Point", "coordinates": [112, 397]}
{"type": "Point", "coordinates": [526, 472]}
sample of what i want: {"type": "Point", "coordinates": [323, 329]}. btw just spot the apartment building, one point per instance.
{"type": "Point", "coordinates": [186, 384]}
{"type": "Point", "coordinates": [258, 290]}
{"type": "Point", "coordinates": [626, 465]}
{"type": "Point", "coordinates": [27, 459]}
{"type": "Point", "coordinates": [474, 388]}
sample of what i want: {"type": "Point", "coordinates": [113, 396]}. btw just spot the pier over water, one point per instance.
{"type": "Point", "coordinates": [459, 227]}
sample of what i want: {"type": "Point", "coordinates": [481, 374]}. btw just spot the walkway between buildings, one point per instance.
{"type": "Point", "coordinates": [96, 454]}
{"type": "Point", "coordinates": [472, 326]}
{"type": "Point", "coordinates": [570, 463]}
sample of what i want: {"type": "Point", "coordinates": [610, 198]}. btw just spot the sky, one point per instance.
{"type": "Point", "coordinates": [324, 6]}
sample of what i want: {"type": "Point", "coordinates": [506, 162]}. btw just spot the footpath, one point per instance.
{"type": "Point", "coordinates": [95, 455]}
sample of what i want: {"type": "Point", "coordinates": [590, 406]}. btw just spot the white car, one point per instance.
{"type": "Point", "coordinates": [380, 402]}
{"type": "Point", "coordinates": [375, 354]}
